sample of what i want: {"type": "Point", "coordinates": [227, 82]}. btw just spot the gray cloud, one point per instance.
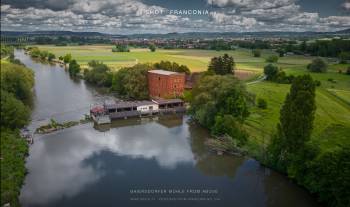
{"type": "Point", "coordinates": [346, 5]}
{"type": "Point", "coordinates": [129, 16]}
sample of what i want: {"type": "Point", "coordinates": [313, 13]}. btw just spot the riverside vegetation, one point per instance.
{"type": "Point", "coordinates": [16, 98]}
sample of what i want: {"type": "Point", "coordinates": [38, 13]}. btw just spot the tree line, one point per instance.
{"type": "Point", "coordinates": [16, 100]}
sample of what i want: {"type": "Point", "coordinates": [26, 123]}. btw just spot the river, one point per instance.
{"type": "Point", "coordinates": [135, 162]}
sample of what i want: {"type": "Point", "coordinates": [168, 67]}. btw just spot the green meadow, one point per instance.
{"type": "Point", "coordinates": [196, 60]}
{"type": "Point", "coordinates": [332, 119]}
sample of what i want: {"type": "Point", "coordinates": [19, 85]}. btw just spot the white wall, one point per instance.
{"type": "Point", "coordinates": [146, 107]}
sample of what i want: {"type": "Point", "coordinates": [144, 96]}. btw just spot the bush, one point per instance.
{"type": "Point", "coordinates": [272, 59]}
{"type": "Point", "coordinates": [328, 175]}
{"type": "Point", "coordinates": [317, 83]}
{"type": "Point", "coordinates": [348, 71]}
{"type": "Point", "coordinates": [99, 74]}
{"type": "Point", "coordinates": [222, 65]}
{"type": "Point", "coordinates": [271, 72]}
{"type": "Point", "coordinates": [227, 125]}
{"type": "Point", "coordinates": [318, 65]}
{"type": "Point", "coordinates": [256, 53]}
{"type": "Point", "coordinates": [262, 103]}
{"type": "Point", "coordinates": [120, 48]}
{"type": "Point", "coordinates": [152, 47]}
{"type": "Point", "coordinates": [74, 68]}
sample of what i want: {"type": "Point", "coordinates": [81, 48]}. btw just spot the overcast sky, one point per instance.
{"type": "Point", "coordinates": [162, 16]}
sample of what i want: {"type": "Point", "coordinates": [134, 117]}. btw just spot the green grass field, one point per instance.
{"type": "Point", "coordinates": [332, 121]}
{"type": "Point", "coordinates": [332, 118]}
{"type": "Point", "coordinates": [196, 60]}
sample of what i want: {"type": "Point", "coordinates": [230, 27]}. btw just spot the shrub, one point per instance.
{"type": "Point", "coordinates": [317, 83]}
{"type": "Point", "coordinates": [270, 71]}
{"type": "Point", "coordinates": [256, 53]}
{"type": "Point", "coordinates": [262, 103]}
{"type": "Point", "coordinates": [318, 65]}
{"type": "Point", "coordinates": [272, 59]}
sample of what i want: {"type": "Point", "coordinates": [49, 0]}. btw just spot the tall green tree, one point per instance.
{"type": "Point", "coordinates": [67, 58]}
{"type": "Point", "coordinates": [296, 122]}
{"type": "Point", "coordinates": [222, 65]}
{"type": "Point", "coordinates": [74, 68]}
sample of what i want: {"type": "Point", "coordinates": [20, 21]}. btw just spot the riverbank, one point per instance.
{"type": "Point", "coordinates": [15, 114]}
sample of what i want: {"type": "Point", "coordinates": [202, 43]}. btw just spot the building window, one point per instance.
{"type": "Point", "coordinates": [159, 78]}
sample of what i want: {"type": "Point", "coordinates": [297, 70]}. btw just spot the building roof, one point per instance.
{"type": "Point", "coordinates": [167, 101]}
{"type": "Point", "coordinates": [163, 72]}
{"type": "Point", "coordinates": [127, 104]}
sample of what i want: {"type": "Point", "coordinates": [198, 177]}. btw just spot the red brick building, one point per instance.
{"type": "Point", "coordinates": [165, 84]}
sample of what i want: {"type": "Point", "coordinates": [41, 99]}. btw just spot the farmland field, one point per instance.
{"type": "Point", "coordinates": [196, 60]}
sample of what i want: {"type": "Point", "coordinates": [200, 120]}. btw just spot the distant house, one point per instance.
{"type": "Point", "coordinates": [165, 84]}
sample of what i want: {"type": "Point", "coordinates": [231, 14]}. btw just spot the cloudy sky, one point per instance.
{"type": "Point", "coordinates": [163, 16]}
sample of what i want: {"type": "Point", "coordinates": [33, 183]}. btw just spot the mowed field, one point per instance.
{"type": "Point", "coordinates": [196, 60]}
{"type": "Point", "coordinates": [332, 117]}
{"type": "Point", "coordinates": [332, 120]}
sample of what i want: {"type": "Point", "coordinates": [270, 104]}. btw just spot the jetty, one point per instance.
{"type": "Point", "coordinates": [115, 109]}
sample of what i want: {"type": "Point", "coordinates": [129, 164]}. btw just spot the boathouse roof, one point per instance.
{"type": "Point", "coordinates": [127, 104]}
{"type": "Point", "coordinates": [167, 101]}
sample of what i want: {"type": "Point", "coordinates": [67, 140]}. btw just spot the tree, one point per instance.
{"type": "Point", "coordinates": [215, 96]}
{"type": "Point", "coordinates": [280, 52]}
{"type": "Point", "coordinates": [228, 125]}
{"type": "Point", "coordinates": [271, 72]}
{"type": "Point", "coordinates": [18, 80]}
{"type": "Point", "coordinates": [172, 66]}
{"type": "Point", "coordinates": [317, 65]}
{"type": "Point", "coordinates": [136, 84]}
{"type": "Point", "coordinates": [74, 68]}
{"type": "Point", "coordinates": [14, 114]}
{"type": "Point", "coordinates": [348, 71]}
{"type": "Point", "coordinates": [262, 103]}
{"type": "Point", "coordinates": [120, 48]}
{"type": "Point", "coordinates": [344, 57]}
{"type": "Point", "coordinates": [118, 81]}
{"type": "Point", "coordinates": [51, 56]}
{"type": "Point", "coordinates": [99, 74]}
{"type": "Point", "coordinates": [272, 59]}
{"type": "Point", "coordinates": [222, 65]}
{"type": "Point", "coordinates": [67, 58]}
{"type": "Point", "coordinates": [152, 47]}
{"type": "Point", "coordinates": [296, 123]}
{"type": "Point", "coordinates": [303, 46]}
{"type": "Point", "coordinates": [256, 53]}
{"type": "Point", "coordinates": [43, 54]}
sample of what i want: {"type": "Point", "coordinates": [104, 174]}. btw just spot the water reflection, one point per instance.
{"type": "Point", "coordinates": [56, 94]}
{"type": "Point", "coordinates": [57, 165]}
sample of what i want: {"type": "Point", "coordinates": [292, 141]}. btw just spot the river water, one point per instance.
{"type": "Point", "coordinates": [135, 162]}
